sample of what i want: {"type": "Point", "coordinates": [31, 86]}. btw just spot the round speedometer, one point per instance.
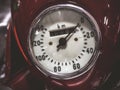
{"type": "Point", "coordinates": [63, 41]}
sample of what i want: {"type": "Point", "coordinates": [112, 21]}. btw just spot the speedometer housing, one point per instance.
{"type": "Point", "coordinates": [75, 29]}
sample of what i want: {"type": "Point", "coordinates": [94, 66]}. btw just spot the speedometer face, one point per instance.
{"type": "Point", "coordinates": [63, 41]}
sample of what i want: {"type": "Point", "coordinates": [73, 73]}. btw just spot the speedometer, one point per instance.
{"type": "Point", "coordinates": [64, 41]}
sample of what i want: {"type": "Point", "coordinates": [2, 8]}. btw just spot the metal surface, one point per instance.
{"type": "Point", "coordinates": [5, 16]}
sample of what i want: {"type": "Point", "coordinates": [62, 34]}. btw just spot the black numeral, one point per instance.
{"type": "Point", "coordinates": [61, 26]}
{"type": "Point", "coordinates": [90, 34]}
{"type": "Point", "coordinates": [36, 43]}
{"type": "Point", "coordinates": [76, 66]}
{"type": "Point", "coordinates": [41, 57]}
{"type": "Point", "coordinates": [89, 50]}
{"type": "Point", "coordinates": [57, 69]}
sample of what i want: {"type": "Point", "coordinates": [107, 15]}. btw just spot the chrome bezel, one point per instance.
{"type": "Point", "coordinates": [94, 57]}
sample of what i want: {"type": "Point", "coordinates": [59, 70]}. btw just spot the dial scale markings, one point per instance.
{"type": "Point", "coordinates": [73, 62]}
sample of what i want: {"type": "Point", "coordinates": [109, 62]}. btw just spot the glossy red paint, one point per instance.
{"type": "Point", "coordinates": [106, 13]}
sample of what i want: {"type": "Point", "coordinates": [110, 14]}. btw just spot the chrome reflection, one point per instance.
{"type": "Point", "coordinates": [106, 20]}
{"type": "Point", "coordinates": [5, 17]}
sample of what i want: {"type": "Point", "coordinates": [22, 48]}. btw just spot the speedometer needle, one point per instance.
{"type": "Point", "coordinates": [72, 32]}
{"type": "Point", "coordinates": [63, 41]}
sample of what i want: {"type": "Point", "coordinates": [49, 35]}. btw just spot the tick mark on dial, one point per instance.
{"type": "Point", "coordinates": [58, 63]}
{"type": "Point", "coordinates": [50, 43]}
{"type": "Point", "coordinates": [69, 63]}
{"type": "Point", "coordinates": [73, 62]}
{"type": "Point", "coordinates": [84, 35]}
{"type": "Point", "coordinates": [85, 39]}
{"type": "Point", "coordinates": [55, 62]}
{"type": "Point", "coordinates": [41, 46]}
{"type": "Point", "coordinates": [76, 59]}
{"type": "Point", "coordinates": [83, 32]}
{"type": "Point", "coordinates": [48, 58]}
{"type": "Point", "coordinates": [41, 39]}
{"type": "Point", "coordinates": [51, 60]}
{"type": "Point", "coordinates": [43, 49]}
{"type": "Point", "coordinates": [41, 42]}
{"type": "Point", "coordinates": [42, 35]}
{"type": "Point", "coordinates": [43, 32]}
{"type": "Point", "coordinates": [81, 54]}
{"type": "Point", "coordinates": [83, 50]}
{"type": "Point", "coordinates": [45, 29]}
{"type": "Point", "coordinates": [43, 53]}
{"type": "Point", "coordinates": [81, 29]}
{"type": "Point", "coordinates": [85, 43]}
{"type": "Point", "coordinates": [79, 57]}
{"type": "Point", "coordinates": [66, 63]}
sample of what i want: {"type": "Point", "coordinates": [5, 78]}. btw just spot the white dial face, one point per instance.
{"type": "Point", "coordinates": [64, 41]}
